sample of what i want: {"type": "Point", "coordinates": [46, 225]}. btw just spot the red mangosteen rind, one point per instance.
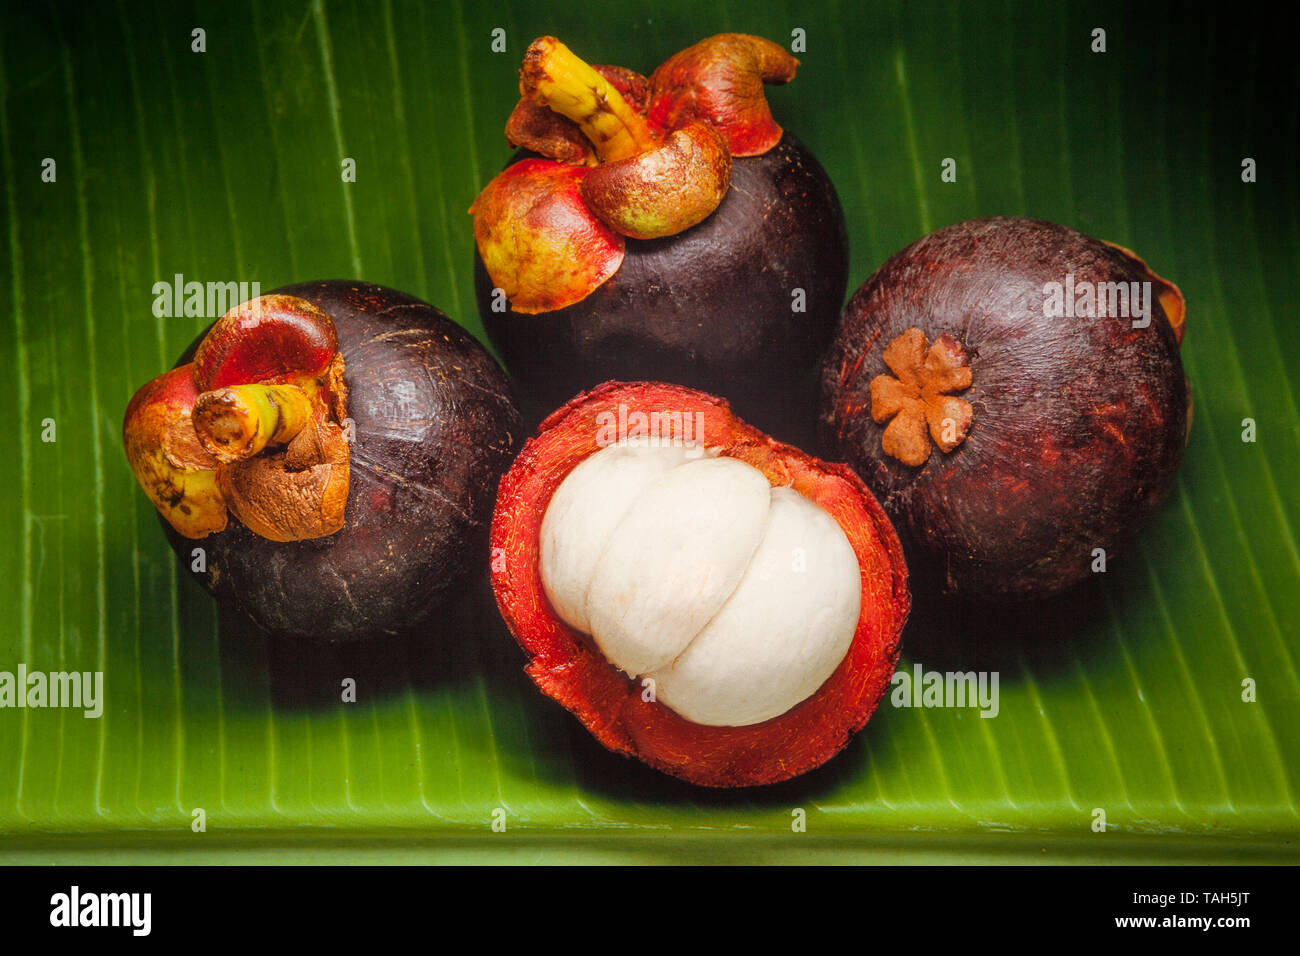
{"type": "Point", "coordinates": [538, 233]}
{"type": "Point", "coordinates": [720, 80]}
{"type": "Point", "coordinates": [1066, 433]}
{"type": "Point", "coordinates": [433, 424]}
{"type": "Point", "coordinates": [264, 340]}
{"type": "Point", "coordinates": [567, 665]}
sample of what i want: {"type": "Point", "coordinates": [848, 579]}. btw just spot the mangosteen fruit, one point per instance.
{"type": "Point", "coordinates": [325, 457]}
{"type": "Point", "coordinates": [720, 605]}
{"type": "Point", "coordinates": [662, 228]}
{"type": "Point", "coordinates": [1012, 391]}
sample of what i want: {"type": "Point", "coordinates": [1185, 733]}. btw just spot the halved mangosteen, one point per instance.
{"type": "Point", "coordinates": [1012, 390]}
{"type": "Point", "coordinates": [718, 604]}
{"type": "Point", "coordinates": [331, 449]}
{"type": "Point", "coordinates": [661, 228]}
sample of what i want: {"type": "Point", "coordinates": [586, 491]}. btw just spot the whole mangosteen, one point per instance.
{"type": "Point", "coordinates": [660, 228]}
{"type": "Point", "coordinates": [1012, 390]}
{"type": "Point", "coordinates": [717, 604]}
{"type": "Point", "coordinates": [331, 449]}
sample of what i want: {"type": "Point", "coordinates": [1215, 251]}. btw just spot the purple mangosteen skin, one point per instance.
{"type": "Point", "coordinates": [1079, 424]}
{"type": "Point", "coordinates": [712, 308]}
{"type": "Point", "coordinates": [435, 426]}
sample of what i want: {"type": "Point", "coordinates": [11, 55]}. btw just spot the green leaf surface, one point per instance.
{"type": "Point", "coordinates": [225, 165]}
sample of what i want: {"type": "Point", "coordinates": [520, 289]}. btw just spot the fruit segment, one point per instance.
{"type": "Point", "coordinates": [583, 515]}
{"type": "Point", "coordinates": [737, 598]}
{"type": "Point", "coordinates": [674, 560]}
{"type": "Point", "coordinates": [782, 632]}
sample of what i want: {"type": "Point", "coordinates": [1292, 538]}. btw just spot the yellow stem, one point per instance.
{"type": "Point", "coordinates": [554, 76]}
{"type": "Point", "coordinates": [236, 423]}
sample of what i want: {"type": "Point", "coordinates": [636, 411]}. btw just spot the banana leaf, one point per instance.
{"type": "Point", "coordinates": [1163, 693]}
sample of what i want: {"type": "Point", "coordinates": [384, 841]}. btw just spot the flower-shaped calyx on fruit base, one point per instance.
{"type": "Point", "coordinates": [918, 396]}
{"type": "Point", "coordinates": [251, 427]}
{"type": "Point", "coordinates": [626, 156]}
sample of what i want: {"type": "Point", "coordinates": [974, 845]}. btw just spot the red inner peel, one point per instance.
{"type": "Point", "coordinates": [264, 340]}
{"type": "Point", "coordinates": [539, 241]}
{"type": "Point", "coordinates": [720, 79]}
{"type": "Point", "coordinates": [567, 666]}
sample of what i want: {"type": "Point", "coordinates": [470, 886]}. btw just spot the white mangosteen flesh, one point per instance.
{"type": "Point", "coordinates": [737, 599]}
{"type": "Point", "coordinates": [582, 516]}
